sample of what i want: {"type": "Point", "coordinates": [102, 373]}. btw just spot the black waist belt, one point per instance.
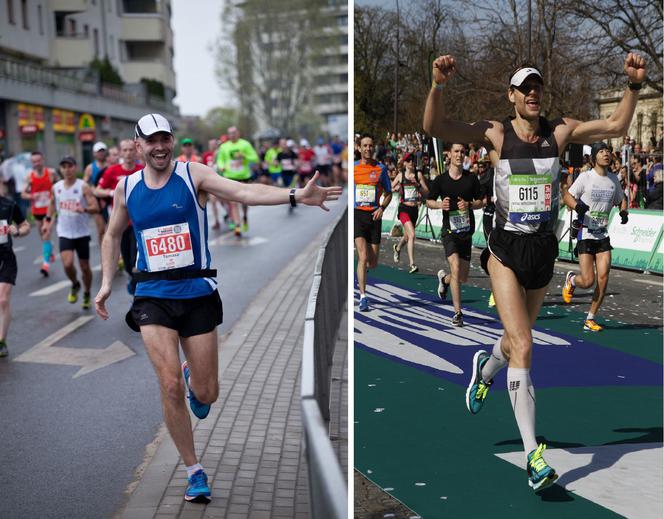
{"type": "Point", "coordinates": [173, 275]}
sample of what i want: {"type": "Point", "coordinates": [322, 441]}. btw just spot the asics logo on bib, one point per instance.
{"type": "Point", "coordinates": [531, 217]}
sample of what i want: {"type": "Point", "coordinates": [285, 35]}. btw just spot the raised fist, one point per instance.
{"type": "Point", "coordinates": [444, 68]}
{"type": "Point", "coordinates": [635, 68]}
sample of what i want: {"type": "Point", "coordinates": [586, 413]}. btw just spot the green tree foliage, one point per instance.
{"type": "Point", "coordinates": [266, 61]}
{"type": "Point", "coordinates": [106, 71]}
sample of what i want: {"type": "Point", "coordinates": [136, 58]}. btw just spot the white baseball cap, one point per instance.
{"type": "Point", "coordinates": [290, 143]}
{"type": "Point", "coordinates": [304, 143]}
{"type": "Point", "coordinates": [99, 146]}
{"type": "Point", "coordinates": [152, 123]}
{"type": "Point", "coordinates": [520, 76]}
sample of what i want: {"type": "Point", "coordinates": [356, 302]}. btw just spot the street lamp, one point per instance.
{"type": "Point", "coordinates": [396, 76]}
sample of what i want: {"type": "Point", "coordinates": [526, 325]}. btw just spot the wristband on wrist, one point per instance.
{"type": "Point", "coordinates": [292, 198]}
{"type": "Point", "coordinates": [634, 86]}
{"type": "Point", "coordinates": [437, 86]}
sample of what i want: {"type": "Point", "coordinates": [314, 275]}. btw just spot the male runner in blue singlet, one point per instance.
{"type": "Point", "coordinates": [176, 299]}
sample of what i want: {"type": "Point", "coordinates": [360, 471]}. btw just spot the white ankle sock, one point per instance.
{"type": "Point", "coordinates": [193, 469]}
{"type": "Point", "coordinates": [496, 362]}
{"type": "Point", "coordinates": [522, 396]}
{"type": "Point", "coordinates": [590, 316]}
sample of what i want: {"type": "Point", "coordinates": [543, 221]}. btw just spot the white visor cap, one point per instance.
{"type": "Point", "coordinates": [152, 123]}
{"type": "Point", "coordinates": [521, 75]}
{"type": "Point", "coordinates": [99, 146]}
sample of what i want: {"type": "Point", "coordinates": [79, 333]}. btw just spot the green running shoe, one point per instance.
{"type": "Point", "coordinates": [540, 475]}
{"type": "Point", "coordinates": [3, 349]}
{"type": "Point", "coordinates": [478, 388]}
{"type": "Point", "coordinates": [72, 297]}
{"type": "Point", "coordinates": [87, 304]}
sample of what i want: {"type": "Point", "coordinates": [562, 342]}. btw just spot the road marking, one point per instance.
{"type": "Point", "coordinates": [598, 473]}
{"type": "Point", "coordinates": [90, 359]}
{"type": "Point", "coordinates": [648, 281]}
{"type": "Point", "coordinates": [51, 288]}
{"type": "Point", "coordinates": [57, 286]}
{"type": "Point", "coordinates": [230, 239]}
{"type": "Point", "coordinates": [20, 248]}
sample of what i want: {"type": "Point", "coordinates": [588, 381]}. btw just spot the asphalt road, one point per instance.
{"type": "Point", "coordinates": [71, 444]}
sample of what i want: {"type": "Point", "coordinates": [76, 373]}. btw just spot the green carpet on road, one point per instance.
{"type": "Point", "coordinates": [415, 438]}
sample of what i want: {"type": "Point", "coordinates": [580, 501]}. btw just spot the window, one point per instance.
{"type": "Point", "coordinates": [40, 20]}
{"type": "Point", "coordinates": [24, 14]}
{"type": "Point", "coordinates": [86, 30]}
{"type": "Point", "coordinates": [10, 12]}
{"type": "Point", "coordinates": [72, 27]}
{"type": "Point", "coordinates": [95, 34]}
{"type": "Point", "coordinates": [342, 21]}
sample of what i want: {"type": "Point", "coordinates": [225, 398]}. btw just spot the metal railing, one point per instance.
{"type": "Point", "coordinates": [73, 82]}
{"type": "Point", "coordinates": [328, 492]}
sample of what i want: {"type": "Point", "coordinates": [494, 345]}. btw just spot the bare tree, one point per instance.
{"type": "Point", "coordinates": [615, 27]}
{"type": "Point", "coordinates": [266, 61]}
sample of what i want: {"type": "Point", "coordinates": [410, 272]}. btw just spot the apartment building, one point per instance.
{"type": "Point", "coordinates": [51, 99]}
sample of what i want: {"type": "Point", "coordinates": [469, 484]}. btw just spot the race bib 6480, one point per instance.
{"type": "Point", "coordinates": [168, 247]}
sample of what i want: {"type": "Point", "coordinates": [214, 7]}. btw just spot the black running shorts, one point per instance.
{"type": "Point", "coordinates": [594, 246]}
{"type": "Point", "coordinates": [366, 227]}
{"type": "Point", "coordinates": [80, 245]}
{"type": "Point", "coordinates": [8, 268]}
{"type": "Point", "coordinates": [458, 243]}
{"type": "Point", "coordinates": [530, 256]}
{"type": "Point", "coordinates": [188, 316]}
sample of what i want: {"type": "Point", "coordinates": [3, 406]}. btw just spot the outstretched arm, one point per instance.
{"type": "Point", "coordinates": [618, 123]}
{"type": "Point", "coordinates": [436, 124]}
{"type": "Point", "coordinates": [260, 194]}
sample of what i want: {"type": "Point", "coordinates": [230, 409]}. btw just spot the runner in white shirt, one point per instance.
{"type": "Point", "coordinates": [592, 196]}
{"type": "Point", "coordinates": [73, 203]}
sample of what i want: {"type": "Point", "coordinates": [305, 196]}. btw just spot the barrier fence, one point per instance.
{"type": "Point", "coordinates": [637, 245]}
{"type": "Point", "coordinates": [328, 493]}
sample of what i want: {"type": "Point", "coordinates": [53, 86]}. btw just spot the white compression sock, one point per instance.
{"type": "Point", "coordinates": [522, 396]}
{"type": "Point", "coordinates": [496, 362]}
{"type": "Point", "coordinates": [193, 469]}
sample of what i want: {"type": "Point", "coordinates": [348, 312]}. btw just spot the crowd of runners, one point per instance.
{"type": "Point", "coordinates": [513, 170]}
{"type": "Point", "coordinates": [149, 210]}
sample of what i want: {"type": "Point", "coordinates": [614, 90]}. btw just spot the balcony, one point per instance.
{"type": "Point", "coordinates": [133, 71]}
{"type": "Point", "coordinates": [71, 52]}
{"type": "Point", "coordinates": [144, 28]}
{"type": "Point", "coordinates": [68, 6]}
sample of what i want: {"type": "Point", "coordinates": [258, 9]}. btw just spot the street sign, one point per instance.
{"type": "Point", "coordinates": [89, 359]}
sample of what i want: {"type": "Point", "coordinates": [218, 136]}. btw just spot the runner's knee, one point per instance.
{"type": "Point", "coordinates": [172, 388]}
{"type": "Point", "coordinates": [209, 393]}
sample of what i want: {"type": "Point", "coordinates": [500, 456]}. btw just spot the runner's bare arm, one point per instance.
{"type": "Point", "coordinates": [424, 189]}
{"type": "Point", "coordinates": [87, 173]}
{"type": "Point", "coordinates": [618, 123]}
{"type": "Point", "coordinates": [26, 194]}
{"type": "Point", "coordinates": [396, 182]}
{"type": "Point", "coordinates": [93, 206]}
{"type": "Point", "coordinates": [569, 200]}
{"type": "Point", "coordinates": [110, 249]}
{"type": "Point", "coordinates": [437, 125]}
{"type": "Point", "coordinates": [205, 179]}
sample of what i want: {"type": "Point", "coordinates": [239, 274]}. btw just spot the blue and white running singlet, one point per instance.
{"type": "Point", "coordinates": [171, 233]}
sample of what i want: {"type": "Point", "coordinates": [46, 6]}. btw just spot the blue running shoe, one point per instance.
{"type": "Point", "coordinates": [199, 409]}
{"type": "Point", "coordinates": [478, 388]}
{"type": "Point", "coordinates": [198, 490]}
{"type": "Point", "coordinates": [540, 475]}
{"type": "Point", "coordinates": [364, 304]}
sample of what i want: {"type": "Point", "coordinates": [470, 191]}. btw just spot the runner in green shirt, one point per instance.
{"type": "Point", "coordinates": [234, 161]}
{"type": "Point", "coordinates": [273, 164]}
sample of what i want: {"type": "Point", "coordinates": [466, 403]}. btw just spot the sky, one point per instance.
{"type": "Point", "coordinates": [196, 26]}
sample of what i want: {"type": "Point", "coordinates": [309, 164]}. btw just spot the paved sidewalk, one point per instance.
{"type": "Point", "coordinates": [250, 444]}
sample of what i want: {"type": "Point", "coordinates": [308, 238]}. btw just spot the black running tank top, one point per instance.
{"type": "Point", "coordinates": [526, 182]}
